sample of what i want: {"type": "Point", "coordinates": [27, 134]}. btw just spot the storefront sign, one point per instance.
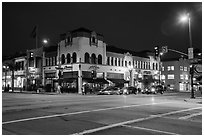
{"type": "Point", "coordinates": [31, 70]}
{"type": "Point", "coordinates": [73, 74]}
{"type": "Point", "coordinates": [115, 75]}
{"type": "Point", "coordinates": [68, 67]}
{"type": "Point", "coordinates": [93, 67]}
{"type": "Point", "coordinates": [19, 73]}
{"type": "Point", "coordinates": [50, 75]}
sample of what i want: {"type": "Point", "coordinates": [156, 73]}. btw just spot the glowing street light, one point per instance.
{"type": "Point", "coordinates": [45, 41]}
{"type": "Point", "coordinates": [184, 18]}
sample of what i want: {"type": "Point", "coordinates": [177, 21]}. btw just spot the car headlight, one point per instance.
{"type": "Point", "coordinates": [125, 90]}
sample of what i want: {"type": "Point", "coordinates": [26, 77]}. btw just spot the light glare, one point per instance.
{"type": "Point", "coordinates": [45, 41]}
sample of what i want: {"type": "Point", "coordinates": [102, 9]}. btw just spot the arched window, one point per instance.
{"type": "Point", "coordinates": [153, 66]}
{"type": "Point", "coordinates": [108, 60]}
{"type": "Point", "coordinates": [87, 57]}
{"type": "Point", "coordinates": [93, 58]}
{"type": "Point", "coordinates": [149, 66]}
{"type": "Point", "coordinates": [93, 40]}
{"type": "Point", "coordinates": [143, 65]}
{"type": "Point", "coordinates": [156, 68]}
{"type": "Point", "coordinates": [112, 61]}
{"type": "Point", "coordinates": [99, 59]}
{"type": "Point", "coordinates": [63, 58]}
{"type": "Point", "coordinates": [126, 63]}
{"type": "Point", "coordinates": [68, 58]}
{"type": "Point", "coordinates": [129, 63]}
{"type": "Point", "coordinates": [115, 61]}
{"type": "Point", "coordinates": [74, 57]}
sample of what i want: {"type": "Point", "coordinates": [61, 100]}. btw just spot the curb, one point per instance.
{"type": "Point", "coordinates": [197, 101]}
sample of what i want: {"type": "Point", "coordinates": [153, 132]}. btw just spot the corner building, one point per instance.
{"type": "Point", "coordinates": [83, 58]}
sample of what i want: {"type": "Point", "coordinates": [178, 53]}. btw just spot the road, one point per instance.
{"type": "Point", "coordinates": [68, 114]}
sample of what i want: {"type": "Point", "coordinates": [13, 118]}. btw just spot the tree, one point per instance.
{"type": "Point", "coordinates": [12, 68]}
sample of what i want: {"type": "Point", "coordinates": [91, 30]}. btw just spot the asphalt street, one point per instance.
{"type": "Point", "coordinates": [72, 114]}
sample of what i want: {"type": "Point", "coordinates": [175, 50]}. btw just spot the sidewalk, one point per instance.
{"type": "Point", "coordinates": [197, 100]}
{"type": "Point", "coordinates": [32, 92]}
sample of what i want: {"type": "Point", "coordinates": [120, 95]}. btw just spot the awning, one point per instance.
{"type": "Point", "coordinates": [88, 80]}
{"type": "Point", "coordinates": [101, 80]}
{"type": "Point", "coordinates": [97, 80]}
{"type": "Point", "coordinates": [70, 80]}
{"type": "Point", "coordinates": [118, 80]}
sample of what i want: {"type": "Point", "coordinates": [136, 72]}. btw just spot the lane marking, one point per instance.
{"type": "Point", "coordinates": [79, 112]}
{"type": "Point", "coordinates": [132, 121]}
{"type": "Point", "coordinates": [149, 129]}
{"type": "Point", "coordinates": [190, 116]}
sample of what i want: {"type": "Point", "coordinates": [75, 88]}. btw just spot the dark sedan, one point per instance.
{"type": "Point", "coordinates": [110, 91]}
{"type": "Point", "coordinates": [129, 90]}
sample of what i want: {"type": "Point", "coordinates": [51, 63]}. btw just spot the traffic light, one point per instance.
{"type": "Point", "coordinates": [156, 51]}
{"type": "Point", "coordinates": [93, 74]}
{"type": "Point", "coordinates": [31, 54]}
{"type": "Point", "coordinates": [191, 69]}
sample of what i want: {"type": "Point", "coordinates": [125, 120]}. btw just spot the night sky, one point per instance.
{"type": "Point", "coordinates": [134, 26]}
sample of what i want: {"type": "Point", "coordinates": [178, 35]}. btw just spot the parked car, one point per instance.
{"type": "Point", "coordinates": [149, 90]}
{"type": "Point", "coordinates": [110, 91]}
{"type": "Point", "coordinates": [128, 90]}
{"type": "Point", "coordinates": [160, 89]}
{"type": "Point", "coordinates": [153, 90]}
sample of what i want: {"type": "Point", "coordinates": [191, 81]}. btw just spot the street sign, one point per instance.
{"type": "Point", "coordinates": [193, 60]}
{"type": "Point", "coordinates": [190, 53]}
{"type": "Point", "coordinates": [164, 49]}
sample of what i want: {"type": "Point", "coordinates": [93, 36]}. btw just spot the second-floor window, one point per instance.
{"type": "Point", "coordinates": [68, 58]}
{"type": "Point", "coordinates": [93, 58]}
{"type": "Point", "coordinates": [99, 59]}
{"type": "Point", "coordinates": [74, 57]}
{"type": "Point", "coordinates": [63, 59]}
{"type": "Point", "coordinates": [169, 68]}
{"type": "Point", "coordinates": [87, 58]}
{"type": "Point", "coordinates": [108, 60]}
{"type": "Point", "coordinates": [171, 76]}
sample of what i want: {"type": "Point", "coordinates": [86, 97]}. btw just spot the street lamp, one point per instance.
{"type": "Point", "coordinates": [185, 18]}
{"type": "Point", "coordinates": [45, 41]}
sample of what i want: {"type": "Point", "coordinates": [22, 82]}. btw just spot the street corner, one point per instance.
{"type": "Point", "coordinates": [196, 100]}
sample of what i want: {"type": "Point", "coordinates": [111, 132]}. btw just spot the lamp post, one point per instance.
{"type": "Point", "coordinates": [185, 18]}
